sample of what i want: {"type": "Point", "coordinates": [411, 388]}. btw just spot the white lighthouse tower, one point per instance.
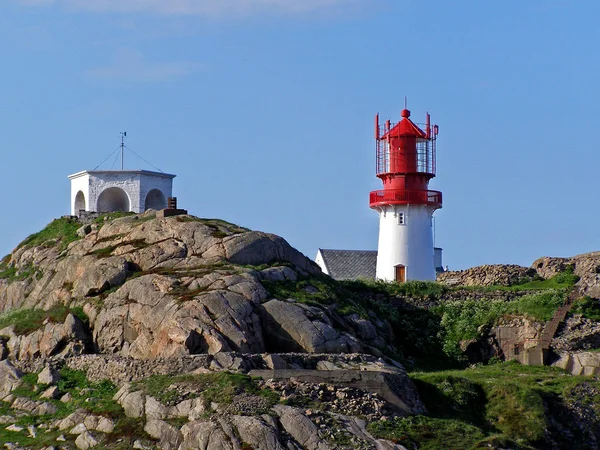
{"type": "Point", "coordinates": [405, 164]}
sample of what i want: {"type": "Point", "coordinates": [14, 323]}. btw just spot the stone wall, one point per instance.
{"type": "Point", "coordinates": [121, 369]}
{"type": "Point", "coordinates": [487, 275]}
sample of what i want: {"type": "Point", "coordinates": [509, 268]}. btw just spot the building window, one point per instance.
{"type": "Point", "coordinates": [401, 219]}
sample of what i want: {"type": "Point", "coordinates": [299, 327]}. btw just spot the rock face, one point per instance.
{"type": "Point", "coordinates": [171, 287]}
{"type": "Point", "coordinates": [10, 378]}
{"type": "Point", "coordinates": [487, 275]}
{"type": "Point", "coordinates": [579, 363]}
{"type": "Point", "coordinates": [577, 333]}
{"type": "Point", "coordinates": [243, 423]}
{"type": "Point", "coordinates": [586, 266]}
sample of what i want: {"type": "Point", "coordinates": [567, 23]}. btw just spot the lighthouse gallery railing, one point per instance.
{"type": "Point", "coordinates": [405, 196]}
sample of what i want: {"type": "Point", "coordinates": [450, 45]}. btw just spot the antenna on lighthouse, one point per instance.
{"type": "Point", "coordinates": [123, 136]}
{"type": "Point", "coordinates": [405, 102]}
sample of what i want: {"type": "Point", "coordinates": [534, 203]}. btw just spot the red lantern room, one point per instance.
{"type": "Point", "coordinates": [405, 163]}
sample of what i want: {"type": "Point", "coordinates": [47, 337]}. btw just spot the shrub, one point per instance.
{"type": "Point", "coordinates": [587, 307]}
{"type": "Point", "coordinates": [462, 320]}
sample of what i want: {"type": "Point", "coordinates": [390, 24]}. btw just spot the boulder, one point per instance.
{"type": "Point", "coordinates": [290, 329]}
{"type": "Point", "coordinates": [207, 435]}
{"type": "Point", "coordinates": [170, 438]}
{"type": "Point", "coordinates": [257, 432]}
{"type": "Point", "coordinates": [99, 275]}
{"type": "Point", "coordinates": [48, 375]}
{"type": "Point", "coordinates": [53, 339]}
{"type": "Point", "coordinates": [10, 378]}
{"type": "Point", "coordinates": [86, 440]}
{"type": "Point", "coordinates": [105, 425]}
{"type": "Point", "coordinates": [256, 248]}
{"type": "Point", "coordinates": [300, 428]}
{"type": "Point", "coordinates": [34, 407]}
{"type": "Point", "coordinates": [84, 230]}
{"type": "Point", "coordinates": [52, 393]}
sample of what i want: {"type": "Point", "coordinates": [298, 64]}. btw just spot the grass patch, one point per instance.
{"type": "Point", "coordinates": [60, 232]}
{"type": "Point", "coordinates": [81, 389]}
{"type": "Point", "coordinates": [220, 228]}
{"type": "Point", "coordinates": [428, 433]}
{"type": "Point", "coordinates": [417, 289]}
{"type": "Point", "coordinates": [95, 397]}
{"type": "Point", "coordinates": [28, 320]}
{"type": "Point", "coordinates": [12, 273]}
{"type": "Point", "coordinates": [219, 387]}
{"type": "Point", "coordinates": [103, 218]}
{"type": "Point", "coordinates": [506, 403]}
{"type": "Point", "coordinates": [319, 291]}
{"type": "Point", "coordinates": [105, 252]}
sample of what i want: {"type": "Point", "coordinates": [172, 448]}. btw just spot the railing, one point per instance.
{"type": "Point", "coordinates": [404, 197]}
{"type": "Point", "coordinates": [421, 160]}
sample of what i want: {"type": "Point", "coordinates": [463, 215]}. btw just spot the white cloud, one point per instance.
{"type": "Point", "coordinates": [130, 65]}
{"type": "Point", "coordinates": [197, 7]}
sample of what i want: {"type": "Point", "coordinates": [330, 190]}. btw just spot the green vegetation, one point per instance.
{"type": "Point", "coordinates": [466, 319]}
{"type": "Point", "coordinates": [588, 307]}
{"type": "Point", "coordinates": [317, 291]}
{"type": "Point", "coordinates": [416, 289]}
{"type": "Point", "coordinates": [60, 232]}
{"type": "Point", "coordinates": [220, 228]}
{"type": "Point", "coordinates": [105, 252]}
{"type": "Point", "coordinates": [103, 218]}
{"type": "Point", "coordinates": [28, 320]}
{"type": "Point", "coordinates": [501, 403]}
{"type": "Point", "coordinates": [11, 273]}
{"type": "Point", "coordinates": [95, 397]}
{"type": "Point", "coordinates": [218, 387]}
{"type": "Point", "coordinates": [427, 433]}
{"type": "Point", "coordinates": [425, 337]}
{"type": "Point", "coordinates": [195, 271]}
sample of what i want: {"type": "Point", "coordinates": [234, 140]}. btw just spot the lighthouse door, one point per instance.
{"type": "Point", "coordinates": [400, 273]}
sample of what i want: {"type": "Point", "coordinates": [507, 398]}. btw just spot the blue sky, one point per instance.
{"type": "Point", "coordinates": [264, 109]}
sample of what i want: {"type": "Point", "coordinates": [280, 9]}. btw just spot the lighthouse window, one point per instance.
{"type": "Point", "coordinates": [401, 220]}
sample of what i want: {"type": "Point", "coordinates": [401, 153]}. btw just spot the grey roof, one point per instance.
{"type": "Point", "coordinates": [350, 264]}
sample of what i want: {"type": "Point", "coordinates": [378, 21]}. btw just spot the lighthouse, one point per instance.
{"type": "Point", "coordinates": [405, 163]}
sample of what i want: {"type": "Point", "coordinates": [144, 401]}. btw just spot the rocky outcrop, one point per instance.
{"type": "Point", "coordinates": [487, 275]}
{"type": "Point", "coordinates": [296, 327]}
{"type": "Point", "coordinates": [53, 339]}
{"type": "Point", "coordinates": [586, 266]}
{"type": "Point", "coordinates": [171, 287]}
{"type": "Point", "coordinates": [577, 333]}
{"type": "Point", "coordinates": [284, 427]}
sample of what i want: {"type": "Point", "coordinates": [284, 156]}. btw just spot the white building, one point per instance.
{"type": "Point", "coordinates": [405, 164]}
{"type": "Point", "coordinates": [119, 190]}
{"type": "Point", "coordinates": [357, 264]}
